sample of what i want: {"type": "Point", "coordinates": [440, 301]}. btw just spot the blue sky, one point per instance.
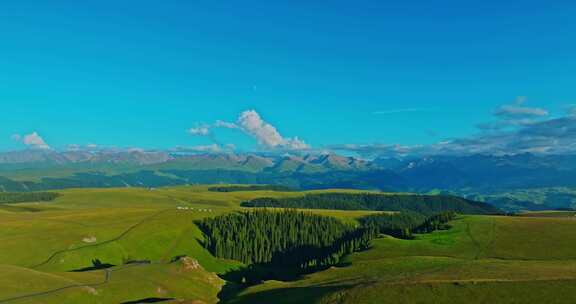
{"type": "Point", "coordinates": [143, 73]}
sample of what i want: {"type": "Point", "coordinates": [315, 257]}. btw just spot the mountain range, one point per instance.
{"type": "Point", "coordinates": [522, 181]}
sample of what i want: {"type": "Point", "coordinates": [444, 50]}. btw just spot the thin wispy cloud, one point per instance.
{"type": "Point", "coordinates": [397, 111]}
{"type": "Point", "coordinates": [517, 129]}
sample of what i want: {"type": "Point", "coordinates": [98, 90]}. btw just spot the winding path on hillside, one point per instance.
{"type": "Point", "coordinates": [106, 280]}
{"type": "Point", "coordinates": [107, 272]}
{"type": "Point", "coordinates": [119, 237]}
{"type": "Point", "coordinates": [480, 248]}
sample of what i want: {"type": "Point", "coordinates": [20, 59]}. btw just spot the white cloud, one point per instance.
{"type": "Point", "coordinates": [202, 130]}
{"type": "Point", "coordinates": [266, 134]}
{"type": "Point", "coordinates": [519, 110]}
{"type": "Point", "coordinates": [206, 148]}
{"type": "Point", "coordinates": [35, 141]}
{"type": "Point", "coordinates": [515, 115]}
{"type": "Point", "coordinates": [213, 148]}
{"type": "Point", "coordinates": [226, 125]}
{"type": "Point", "coordinates": [514, 110]}
{"type": "Point", "coordinates": [519, 129]}
{"type": "Point", "coordinates": [251, 123]}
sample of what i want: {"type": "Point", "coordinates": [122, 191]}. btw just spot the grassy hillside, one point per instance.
{"type": "Point", "coordinates": [481, 260]}
{"type": "Point", "coordinates": [141, 233]}
{"type": "Point", "coordinates": [44, 242]}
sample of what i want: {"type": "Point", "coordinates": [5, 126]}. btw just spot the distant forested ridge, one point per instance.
{"type": "Point", "coordinates": [23, 197]}
{"type": "Point", "coordinates": [424, 204]}
{"type": "Point", "coordinates": [287, 239]}
{"type": "Point", "coordinates": [250, 188]}
{"type": "Point", "coordinates": [403, 225]}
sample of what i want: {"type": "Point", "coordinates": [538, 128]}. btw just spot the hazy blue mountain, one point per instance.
{"type": "Point", "coordinates": [523, 181]}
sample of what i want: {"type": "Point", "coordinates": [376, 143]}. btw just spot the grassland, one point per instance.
{"type": "Point", "coordinates": [481, 259]}
{"type": "Point", "coordinates": [42, 243]}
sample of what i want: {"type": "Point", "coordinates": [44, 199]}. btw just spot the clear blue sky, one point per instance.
{"type": "Point", "coordinates": [141, 73]}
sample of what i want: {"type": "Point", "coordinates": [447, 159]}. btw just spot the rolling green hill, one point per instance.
{"type": "Point", "coordinates": [150, 249]}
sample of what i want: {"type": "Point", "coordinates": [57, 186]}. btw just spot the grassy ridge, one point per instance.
{"type": "Point", "coordinates": [114, 226]}
{"type": "Point", "coordinates": [478, 261]}
{"type": "Point", "coordinates": [481, 259]}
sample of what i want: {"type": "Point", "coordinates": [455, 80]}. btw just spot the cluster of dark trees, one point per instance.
{"type": "Point", "coordinates": [286, 239]}
{"type": "Point", "coordinates": [23, 197]}
{"type": "Point", "coordinates": [436, 222]}
{"type": "Point", "coordinates": [250, 188]}
{"type": "Point", "coordinates": [283, 244]}
{"type": "Point", "coordinates": [423, 204]}
{"type": "Point", "coordinates": [404, 224]}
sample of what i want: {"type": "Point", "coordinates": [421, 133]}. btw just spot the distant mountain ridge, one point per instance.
{"type": "Point", "coordinates": [209, 161]}
{"type": "Point", "coordinates": [32, 157]}
{"type": "Point", "coordinates": [504, 179]}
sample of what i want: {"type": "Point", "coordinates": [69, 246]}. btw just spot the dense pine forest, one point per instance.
{"type": "Point", "coordinates": [279, 243]}
{"type": "Point", "coordinates": [23, 197]}
{"type": "Point", "coordinates": [288, 238]}
{"type": "Point", "coordinates": [405, 224]}
{"type": "Point", "coordinates": [424, 204]}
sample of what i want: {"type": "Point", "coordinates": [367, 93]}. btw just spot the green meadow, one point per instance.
{"type": "Point", "coordinates": [152, 249]}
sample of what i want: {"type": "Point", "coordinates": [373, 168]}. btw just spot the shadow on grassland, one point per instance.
{"type": "Point", "coordinates": [240, 280]}
{"type": "Point", "coordinates": [312, 294]}
{"type": "Point", "coordinates": [149, 300]}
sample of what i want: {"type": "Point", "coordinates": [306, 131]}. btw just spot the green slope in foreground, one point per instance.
{"type": "Point", "coordinates": [481, 260]}
{"type": "Point", "coordinates": [41, 244]}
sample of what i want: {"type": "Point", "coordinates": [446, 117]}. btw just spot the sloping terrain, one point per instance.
{"type": "Point", "coordinates": [482, 259]}
{"type": "Point", "coordinates": [135, 244]}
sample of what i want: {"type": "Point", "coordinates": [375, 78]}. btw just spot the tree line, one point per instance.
{"type": "Point", "coordinates": [250, 188]}
{"type": "Point", "coordinates": [23, 197]}
{"type": "Point", "coordinates": [287, 238]}
{"type": "Point", "coordinates": [423, 204]}
{"type": "Point", "coordinates": [282, 244]}
{"type": "Point", "coordinates": [405, 224]}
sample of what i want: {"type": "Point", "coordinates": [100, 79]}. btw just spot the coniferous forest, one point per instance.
{"type": "Point", "coordinates": [285, 238]}
{"type": "Point", "coordinates": [284, 243]}
{"type": "Point", "coordinates": [22, 197]}
{"type": "Point", "coordinates": [424, 204]}
{"type": "Point", "coordinates": [405, 224]}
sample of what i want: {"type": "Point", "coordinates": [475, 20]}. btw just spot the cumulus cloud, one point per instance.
{"type": "Point", "coordinates": [266, 134]}
{"type": "Point", "coordinates": [32, 140]}
{"type": "Point", "coordinates": [251, 123]}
